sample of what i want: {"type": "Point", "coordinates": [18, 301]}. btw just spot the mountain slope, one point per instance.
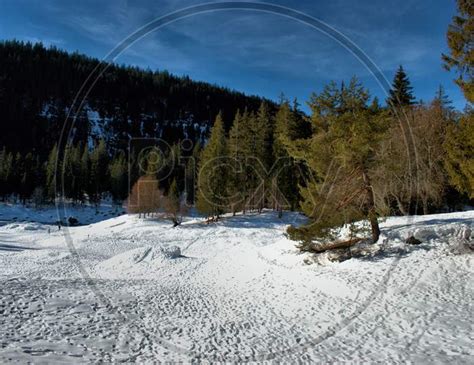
{"type": "Point", "coordinates": [37, 86]}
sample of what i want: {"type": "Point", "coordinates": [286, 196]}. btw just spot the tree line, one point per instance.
{"type": "Point", "coordinates": [357, 161]}
{"type": "Point", "coordinates": [282, 159]}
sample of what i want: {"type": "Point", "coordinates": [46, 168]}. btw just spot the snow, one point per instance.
{"type": "Point", "coordinates": [122, 288]}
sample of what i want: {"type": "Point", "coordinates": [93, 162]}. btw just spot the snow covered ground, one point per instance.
{"type": "Point", "coordinates": [115, 290]}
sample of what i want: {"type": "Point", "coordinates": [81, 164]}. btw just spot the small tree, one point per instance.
{"type": "Point", "coordinates": [6, 162]}
{"type": "Point", "coordinates": [341, 156]}
{"type": "Point", "coordinates": [401, 92]}
{"type": "Point", "coordinates": [286, 172]}
{"type": "Point", "coordinates": [405, 176]}
{"type": "Point", "coordinates": [212, 174]}
{"type": "Point", "coordinates": [119, 178]}
{"type": "Point", "coordinates": [459, 157]}
{"type": "Point", "coordinates": [51, 173]}
{"type": "Point", "coordinates": [38, 197]}
{"type": "Point", "coordinates": [460, 38]}
{"type": "Point", "coordinates": [145, 197]}
{"type": "Point", "coordinates": [99, 162]}
{"type": "Point", "coordinates": [173, 205]}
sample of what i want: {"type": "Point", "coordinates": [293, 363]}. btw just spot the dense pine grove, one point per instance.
{"type": "Point", "coordinates": [351, 160]}
{"type": "Point", "coordinates": [38, 85]}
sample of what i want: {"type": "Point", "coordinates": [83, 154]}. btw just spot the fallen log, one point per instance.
{"type": "Point", "coordinates": [322, 247]}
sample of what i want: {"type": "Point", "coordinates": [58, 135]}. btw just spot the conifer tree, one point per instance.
{"type": "Point", "coordinates": [212, 176]}
{"type": "Point", "coordinates": [98, 171]}
{"type": "Point", "coordinates": [77, 187]}
{"type": "Point", "coordinates": [285, 174]}
{"type": "Point", "coordinates": [251, 143]}
{"type": "Point", "coordinates": [27, 176]}
{"type": "Point", "coordinates": [340, 156]}
{"type": "Point", "coordinates": [236, 151]}
{"type": "Point", "coordinates": [401, 93]}
{"type": "Point", "coordinates": [172, 203]}
{"type": "Point", "coordinates": [245, 147]}
{"type": "Point", "coordinates": [460, 38]}
{"type": "Point", "coordinates": [442, 98]}
{"type": "Point", "coordinates": [84, 174]}
{"type": "Point", "coordinates": [6, 164]}
{"type": "Point", "coordinates": [375, 107]}
{"type": "Point", "coordinates": [191, 173]}
{"type": "Point", "coordinates": [263, 131]}
{"type": "Point", "coordinates": [459, 158]}
{"type": "Point", "coordinates": [119, 178]}
{"type": "Point", "coordinates": [442, 101]}
{"type": "Point", "coordinates": [70, 172]}
{"type": "Point", "coordinates": [51, 173]}
{"type": "Point", "coordinates": [263, 155]}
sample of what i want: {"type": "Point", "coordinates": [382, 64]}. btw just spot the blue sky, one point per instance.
{"type": "Point", "coordinates": [257, 53]}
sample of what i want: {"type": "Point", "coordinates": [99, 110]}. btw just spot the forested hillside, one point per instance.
{"type": "Point", "coordinates": [38, 84]}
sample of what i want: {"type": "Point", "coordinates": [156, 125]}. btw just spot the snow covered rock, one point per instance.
{"type": "Point", "coordinates": [465, 233]}
{"type": "Point", "coordinates": [423, 235]}
{"type": "Point", "coordinates": [171, 252]}
{"type": "Point", "coordinates": [412, 241]}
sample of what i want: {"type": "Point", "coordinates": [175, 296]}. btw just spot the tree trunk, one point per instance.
{"type": "Point", "coordinates": [372, 214]}
{"type": "Point", "coordinates": [319, 248]}
{"type": "Point", "coordinates": [401, 208]}
{"type": "Point", "coordinates": [425, 206]}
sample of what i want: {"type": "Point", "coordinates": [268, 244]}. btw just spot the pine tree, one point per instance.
{"type": "Point", "coordinates": [27, 177]}
{"type": "Point", "coordinates": [212, 177]}
{"type": "Point", "coordinates": [77, 188]}
{"type": "Point", "coordinates": [375, 107]}
{"type": "Point", "coordinates": [285, 173]}
{"type": "Point", "coordinates": [401, 92]}
{"type": "Point", "coordinates": [263, 155]}
{"type": "Point", "coordinates": [236, 151]}
{"type": "Point", "coordinates": [442, 100]}
{"type": "Point", "coordinates": [459, 158]}
{"type": "Point", "coordinates": [173, 203]}
{"type": "Point", "coordinates": [246, 154]}
{"type": "Point", "coordinates": [98, 172]}
{"type": "Point", "coordinates": [191, 172]}
{"type": "Point", "coordinates": [251, 146]}
{"type": "Point", "coordinates": [51, 173]}
{"type": "Point", "coordinates": [119, 178]}
{"type": "Point", "coordinates": [264, 137]}
{"type": "Point", "coordinates": [460, 38]}
{"type": "Point", "coordinates": [6, 165]}
{"type": "Point", "coordinates": [85, 182]}
{"type": "Point", "coordinates": [70, 172]}
{"type": "Point", "coordinates": [340, 156]}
